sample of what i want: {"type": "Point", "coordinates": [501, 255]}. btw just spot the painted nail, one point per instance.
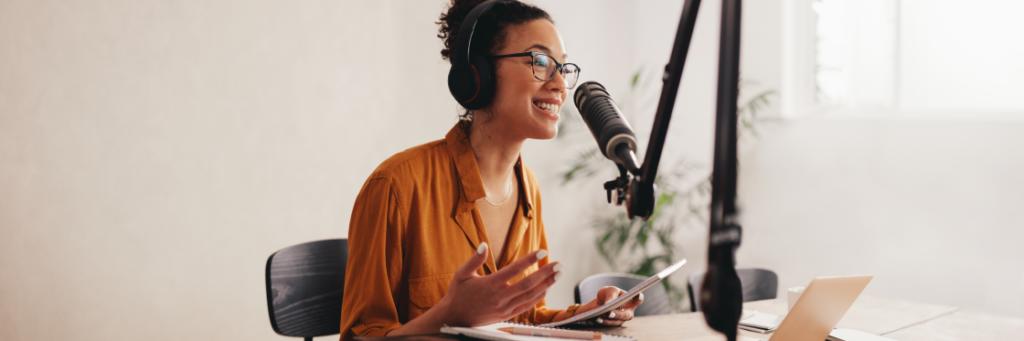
{"type": "Point", "coordinates": [611, 315]}
{"type": "Point", "coordinates": [599, 320]}
{"type": "Point", "coordinates": [480, 250]}
{"type": "Point", "coordinates": [558, 267]}
{"type": "Point", "coordinates": [542, 254]}
{"type": "Point", "coordinates": [557, 276]}
{"type": "Point", "coordinates": [641, 296]}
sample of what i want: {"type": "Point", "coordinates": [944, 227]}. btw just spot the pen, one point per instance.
{"type": "Point", "coordinates": [548, 332]}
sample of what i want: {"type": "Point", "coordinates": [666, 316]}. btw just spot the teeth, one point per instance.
{"type": "Point", "coordinates": [549, 107]}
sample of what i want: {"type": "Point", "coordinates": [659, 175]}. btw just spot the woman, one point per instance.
{"type": "Point", "coordinates": [450, 232]}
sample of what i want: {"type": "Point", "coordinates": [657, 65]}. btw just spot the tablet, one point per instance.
{"type": "Point", "coordinates": [622, 299]}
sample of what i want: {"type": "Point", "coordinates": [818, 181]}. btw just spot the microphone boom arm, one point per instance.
{"type": "Point", "coordinates": [639, 191]}
{"type": "Point", "coordinates": [673, 74]}
{"type": "Point", "coordinates": [721, 291]}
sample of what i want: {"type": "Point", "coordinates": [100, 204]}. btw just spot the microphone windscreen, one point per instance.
{"type": "Point", "coordinates": [604, 118]}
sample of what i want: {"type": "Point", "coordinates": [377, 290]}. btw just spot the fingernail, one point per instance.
{"type": "Point", "coordinates": [558, 267]}
{"type": "Point", "coordinates": [542, 254]}
{"type": "Point", "coordinates": [557, 276]}
{"type": "Point", "coordinates": [599, 320]}
{"type": "Point", "coordinates": [611, 315]}
{"type": "Point", "coordinates": [641, 296]}
{"type": "Point", "coordinates": [480, 250]}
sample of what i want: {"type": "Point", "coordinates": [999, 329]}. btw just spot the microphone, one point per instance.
{"type": "Point", "coordinates": [614, 136]}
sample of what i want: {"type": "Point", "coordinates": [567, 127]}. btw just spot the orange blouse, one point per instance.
{"type": "Point", "coordinates": [415, 222]}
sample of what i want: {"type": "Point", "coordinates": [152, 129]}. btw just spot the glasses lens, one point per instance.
{"type": "Point", "coordinates": [543, 67]}
{"type": "Point", "coordinates": [571, 73]}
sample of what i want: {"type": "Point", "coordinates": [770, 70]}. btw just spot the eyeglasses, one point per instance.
{"type": "Point", "coordinates": [544, 67]}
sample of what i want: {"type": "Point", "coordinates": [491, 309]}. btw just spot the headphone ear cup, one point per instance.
{"type": "Point", "coordinates": [462, 83]}
{"type": "Point", "coordinates": [485, 75]}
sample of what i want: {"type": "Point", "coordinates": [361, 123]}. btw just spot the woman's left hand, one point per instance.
{"type": "Point", "coordinates": [615, 317]}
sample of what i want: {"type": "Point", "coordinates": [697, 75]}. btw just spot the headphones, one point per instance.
{"type": "Point", "coordinates": [471, 80]}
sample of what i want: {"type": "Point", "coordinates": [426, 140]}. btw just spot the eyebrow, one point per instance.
{"type": "Point", "coordinates": [544, 49]}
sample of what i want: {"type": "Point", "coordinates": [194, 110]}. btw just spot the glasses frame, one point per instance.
{"type": "Point", "coordinates": [533, 57]}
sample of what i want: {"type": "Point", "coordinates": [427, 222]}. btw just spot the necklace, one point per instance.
{"type": "Point", "coordinates": [507, 195]}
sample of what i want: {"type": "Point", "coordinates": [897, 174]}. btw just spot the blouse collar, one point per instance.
{"type": "Point", "coordinates": [461, 150]}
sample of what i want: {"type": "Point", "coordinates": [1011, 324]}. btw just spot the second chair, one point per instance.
{"type": "Point", "coordinates": [758, 284]}
{"type": "Point", "coordinates": [655, 297]}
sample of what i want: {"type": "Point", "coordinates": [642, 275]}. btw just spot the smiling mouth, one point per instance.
{"type": "Point", "coordinates": [549, 107]}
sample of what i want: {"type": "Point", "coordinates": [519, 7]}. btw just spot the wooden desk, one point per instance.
{"type": "Point", "coordinates": [896, 319]}
{"type": "Point", "coordinates": [963, 325]}
{"type": "Point", "coordinates": [869, 313]}
{"type": "Point", "coordinates": [686, 326]}
{"type": "Point", "coordinates": [872, 314]}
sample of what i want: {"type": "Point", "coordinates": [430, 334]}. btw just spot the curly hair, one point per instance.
{"type": "Point", "coordinates": [492, 27]}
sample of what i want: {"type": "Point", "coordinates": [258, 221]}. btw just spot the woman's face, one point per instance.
{"type": "Point", "coordinates": [524, 107]}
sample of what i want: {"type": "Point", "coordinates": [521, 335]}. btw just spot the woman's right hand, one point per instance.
{"type": "Point", "coordinates": [474, 300]}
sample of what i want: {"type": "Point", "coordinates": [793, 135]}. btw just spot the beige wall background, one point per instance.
{"type": "Point", "coordinates": [154, 153]}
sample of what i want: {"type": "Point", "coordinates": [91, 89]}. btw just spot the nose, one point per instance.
{"type": "Point", "coordinates": [557, 83]}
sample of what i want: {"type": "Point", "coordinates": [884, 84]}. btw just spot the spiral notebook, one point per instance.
{"type": "Point", "coordinates": [491, 333]}
{"type": "Point", "coordinates": [760, 322]}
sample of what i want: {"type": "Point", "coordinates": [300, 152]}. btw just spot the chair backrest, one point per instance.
{"type": "Point", "coordinates": [655, 298]}
{"type": "Point", "coordinates": [305, 283]}
{"type": "Point", "coordinates": [758, 284]}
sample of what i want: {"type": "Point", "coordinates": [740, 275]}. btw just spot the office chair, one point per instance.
{"type": "Point", "coordinates": [758, 284]}
{"type": "Point", "coordinates": [305, 283]}
{"type": "Point", "coordinates": [655, 298]}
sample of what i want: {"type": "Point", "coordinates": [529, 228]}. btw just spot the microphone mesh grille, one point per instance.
{"type": "Point", "coordinates": [587, 90]}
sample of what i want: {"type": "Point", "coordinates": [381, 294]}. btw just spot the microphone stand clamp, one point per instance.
{"type": "Point", "coordinates": [618, 188]}
{"type": "Point", "coordinates": [637, 195]}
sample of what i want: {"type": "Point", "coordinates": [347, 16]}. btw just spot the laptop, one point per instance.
{"type": "Point", "coordinates": [818, 310]}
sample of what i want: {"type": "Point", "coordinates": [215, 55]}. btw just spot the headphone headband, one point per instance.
{"type": "Point", "coordinates": [465, 39]}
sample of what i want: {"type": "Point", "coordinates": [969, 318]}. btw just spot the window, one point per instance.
{"type": "Point", "coordinates": [900, 57]}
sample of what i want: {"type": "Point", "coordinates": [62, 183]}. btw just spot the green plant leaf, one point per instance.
{"type": "Point", "coordinates": [644, 247]}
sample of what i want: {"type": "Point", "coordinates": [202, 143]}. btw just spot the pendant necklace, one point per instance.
{"type": "Point", "coordinates": [507, 195]}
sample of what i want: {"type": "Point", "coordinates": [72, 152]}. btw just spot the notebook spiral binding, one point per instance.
{"type": "Point", "coordinates": [538, 326]}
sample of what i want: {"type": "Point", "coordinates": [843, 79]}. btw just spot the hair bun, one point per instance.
{"type": "Point", "coordinates": [490, 26]}
{"type": "Point", "coordinates": [451, 21]}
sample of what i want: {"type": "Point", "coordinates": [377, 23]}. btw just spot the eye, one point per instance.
{"type": "Point", "coordinates": [541, 61]}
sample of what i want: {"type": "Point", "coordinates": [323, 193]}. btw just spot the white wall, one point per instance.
{"type": "Point", "coordinates": [931, 208]}
{"type": "Point", "coordinates": [153, 154]}
{"type": "Point", "coordinates": [927, 201]}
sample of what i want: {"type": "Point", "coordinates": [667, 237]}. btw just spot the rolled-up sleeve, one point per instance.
{"type": "Point", "coordinates": [374, 269]}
